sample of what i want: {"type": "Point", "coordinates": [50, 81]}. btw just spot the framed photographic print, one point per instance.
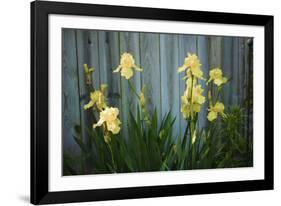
{"type": "Point", "coordinates": [133, 102]}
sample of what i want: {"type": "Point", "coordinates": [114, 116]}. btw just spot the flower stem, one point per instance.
{"type": "Point", "coordinates": [192, 133]}
{"type": "Point", "coordinates": [217, 96]}
{"type": "Point", "coordinates": [112, 158]}
{"type": "Point", "coordinates": [191, 103]}
{"type": "Point", "coordinates": [133, 88]}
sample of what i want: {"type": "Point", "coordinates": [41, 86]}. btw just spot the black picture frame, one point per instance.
{"type": "Point", "coordinates": [39, 102]}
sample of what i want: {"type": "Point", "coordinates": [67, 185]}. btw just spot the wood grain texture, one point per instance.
{"type": "Point", "coordinates": [241, 72]}
{"type": "Point", "coordinates": [129, 42]}
{"type": "Point", "coordinates": [151, 78]}
{"type": "Point", "coordinates": [108, 60]}
{"type": "Point", "coordinates": [83, 57]}
{"type": "Point", "coordinates": [92, 47]}
{"type": "Point", "coordinates": [170, 78]}
{"type": "Point", "coordinates": [227, 58]}
{"type": "Point", "coordinates": [70, 92]}
{"type": "Point", "coordinates": [215, 56]}
{"type": "Point", "coordinates": [235, 72]}
{"type": "Point", "coordinates": [203, 54]}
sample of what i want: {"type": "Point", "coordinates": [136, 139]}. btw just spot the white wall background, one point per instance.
{"type": "Point", "coordinates": [14, 103]}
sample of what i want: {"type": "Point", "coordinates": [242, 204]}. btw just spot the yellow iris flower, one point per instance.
{"type": "Point", "coordinates": [110, 119]}
{"type": "Point", "coordinates": [127, 63]}
{"type": "Point", "coordinates": [97, 98]}
{"type": "Point", "coordinates": [218, 108]}
{"type": "Point", "coordinates": [195, 101]}
{"type": "Point", "coordinates": [192, 66]}
{"type": "Point", "coordinates": [197, 97]}
{"type": "Point", "coordinates": [217, 76]}
{"type": "Point", "coordinates": [185, 109]}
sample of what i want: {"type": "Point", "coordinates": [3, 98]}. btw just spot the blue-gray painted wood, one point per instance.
{"type": "Point", "coordinates": [227, 58]}
{"type": "Point", "coordinates": [235, 70]}
{"type": "Point", "coordinates": [108, 61]}
{"type": "Point", "coordinates": [159, 56]}
{"type": "Point", "coordinates": [129, 42]}
{"type": "Point", "coordinates": [170, 78]}
{"type": "Point", "coordinates": [241, 72]}
{"type": "Point", "coordinates": [151, 77]}
{"type": "Point", "coordinates": [203, 54]}
{"type": "Point", "coordinates": [93, 57]}
{"type": "Point", "coordinates": [215, 52]}
{"type": "Point", "coordinates": [83, 57]}
{"type": "Point", "coordinates": [70, 91]}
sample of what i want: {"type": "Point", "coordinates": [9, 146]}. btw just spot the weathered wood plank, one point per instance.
{"type": "Point", "coordinates": [169, 77]}
{"type": "Point", "coordinates": [215, 52]}
{"type": "Point", "coordinates": [227, 62]}
{"type": "Point", "coordinates": [187, 43]}
{"type": "Point", "coordinates": [83, 57]}
{"type": "Point", "coordinates": [241, 72]}
{"type": "Point", "coordinates": [129, 42]}
{"type": "Point", "coordinates": [245, 102]}
{"type": "Point", "coordinates": [246, 72]}
{"type": "Point", "coordinates": [151, 77]}
{"type": "Point", "coordinates": [93, 57]}
{"type": "Point", "coordinates": [70, 91]}
{"type": "Point", "coordinates": [235, 70]}
{"type": "Point", "coordinates": [108, 61]}
{"type": "Point", "coordinates": [203, 54]}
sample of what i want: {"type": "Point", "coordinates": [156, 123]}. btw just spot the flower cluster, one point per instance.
{"type": "Point", "coordinates": [216, 76]}
{"type": "Point", "coordinates": [192, 99]}
{"type": "Point", "coordinates": [108, 115]}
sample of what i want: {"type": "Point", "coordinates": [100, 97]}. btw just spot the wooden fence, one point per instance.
{"type": "Point", "coordinates": [159, 55]}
